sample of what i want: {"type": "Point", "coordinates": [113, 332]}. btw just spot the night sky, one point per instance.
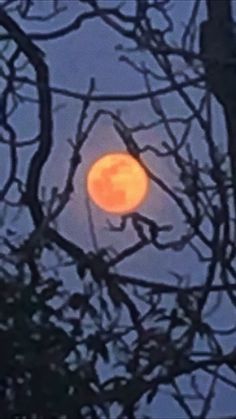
{"type": "Point", "coordinates": [94, 51]}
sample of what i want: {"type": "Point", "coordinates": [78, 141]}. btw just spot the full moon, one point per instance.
{"type": "Point", "coordinates": [117, 183]}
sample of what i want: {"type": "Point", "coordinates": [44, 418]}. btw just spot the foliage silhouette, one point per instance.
{"type": "Point", "coordinates": [149, 333]}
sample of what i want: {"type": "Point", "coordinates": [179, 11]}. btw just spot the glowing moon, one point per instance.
{"type": "Point", "coordinates": [117, 183]}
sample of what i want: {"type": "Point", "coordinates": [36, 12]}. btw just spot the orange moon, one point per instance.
{"type": "Point", "coordinates": [117, 183]}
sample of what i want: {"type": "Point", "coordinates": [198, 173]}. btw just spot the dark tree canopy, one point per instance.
{"type": "Point", "coordinates": [151, 309]}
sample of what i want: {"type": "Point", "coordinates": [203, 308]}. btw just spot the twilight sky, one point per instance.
{"type": "Point", "coordinates": [73, 60]}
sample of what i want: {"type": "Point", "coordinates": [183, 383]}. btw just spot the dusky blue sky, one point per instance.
{"type": "Point", "coordinates": [73, 60]}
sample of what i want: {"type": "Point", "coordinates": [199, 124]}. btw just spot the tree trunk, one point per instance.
{"type": "Point", "coordinates": [218, 45]}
